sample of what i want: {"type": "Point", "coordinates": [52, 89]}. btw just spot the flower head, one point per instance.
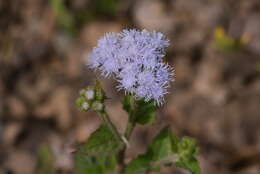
{"type": "Point", "coordinates": [135, 59]}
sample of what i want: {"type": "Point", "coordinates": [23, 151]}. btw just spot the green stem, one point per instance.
{"type": "Point", "coordinates": [129, 129]}
{"type": "Point", "coordinates": [131, 122]}
{"type": "Point", "coordinates": [105, 117]}
{"type": "Point", "coordinates": [110, 124]}
{"type": "Point", "coordinates": [128, 132]}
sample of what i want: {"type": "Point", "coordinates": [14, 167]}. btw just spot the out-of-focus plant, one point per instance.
{"type": "Point", "coordinates": [226, 43]}
{"type": "Point", "coordinates": [135, 59]}
{"type": "Point", "coordinates": [106, 7]}
{"type": "Point", "coordinates": [71, 21]}
{"type": "Point", "coordinates": [45, 162]}
{"type": "Point", "coordinates": [258, 66]}
{"type": "Point", "coordinates": [63, 16]}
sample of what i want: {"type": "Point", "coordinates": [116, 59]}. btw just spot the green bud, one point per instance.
{"type": "Point", "coordinates": [85, 106]}
{"type": "Point", "coordinates": [79, 101]}
{"type": "Point", "coordinates": [82, 104]}
{"type": "Point", "coordinates": [82, 92]}
{"type": "Point", "coordinates": [97, 106]}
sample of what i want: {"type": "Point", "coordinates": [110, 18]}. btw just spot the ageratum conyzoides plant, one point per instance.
{"type": "Point", "coordinates": [135, 59]}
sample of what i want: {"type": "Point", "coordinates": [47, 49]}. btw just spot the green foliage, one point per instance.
{"type": "Point", "coordinates": [166, 149]}
{"type": "Point", "coordinates": [106, 7]}
{"type": "Point", "coordinates": [145, 112]}
{"type": "Point", "coordinates": [139, 165]}
{"type": "Point", "coordinates": [187, 151]}
{"type": "Point", "coordinates": [45, 163]}
{"type": "Point", "coordinates": [71, 21]}
{"type": "Point", "coordinates": [64, 17]}
{"type": "Point", "coordinates": [102, 141]}
{"type": "Point", "coordinates": [139, 111]}
{"type": "Point", "coordinates": [89, 164]}
{"type": "Point", "coordinates": [99, 154]}
{"type": "Point", "coordinates": [96, 9]}
{"type": "Point", "coordinates": [103, 152]}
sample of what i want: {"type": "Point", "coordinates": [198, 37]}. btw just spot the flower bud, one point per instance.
{"type": "Point", "coordinates": [82, 104]}
{"type": "Point", "coordinates": [85, 106]}
{"type": "Point", "coordinates": [90, 94]}
{"type": "Point", "coordinates": [97, 106]}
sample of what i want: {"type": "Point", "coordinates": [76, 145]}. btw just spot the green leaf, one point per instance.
{"type": "Point", "coordinates": [187, 150]}
{"type": "Point", "coordinates": [139, 111]}
{"type": "Point", "coordinates": [98, 154]}
{"type": "Point", "coordinates": [89, 164]}
{"type": "Point", "coordinates": [166, 149]}
{"type": "Point", "coordinates": [139, 165]}
{"type": "Point", "coordinates": [161, 146]}
{"type": "Point", "coordinates": [192, 165]}
{"type": "Point", "coordinates": [102, 141]}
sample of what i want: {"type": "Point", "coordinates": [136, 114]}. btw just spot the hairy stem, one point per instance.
{"type": "Point", "coordinates": [131, 121]}
{"type": "Point", "coordinates": [128, 132]}
{"type": "Point", "coordinates": [129, 129]}
{"type": "Point", "coordinates": [105, 117]}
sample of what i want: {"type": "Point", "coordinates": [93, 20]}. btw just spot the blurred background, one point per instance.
{"type": "Point", "coordinates": [215, 49]}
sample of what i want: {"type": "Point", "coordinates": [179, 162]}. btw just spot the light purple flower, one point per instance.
{"type": "Point", "coordinates": [135, 59]}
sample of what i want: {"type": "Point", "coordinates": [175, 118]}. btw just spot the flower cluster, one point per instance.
{"type": "Point", "coordinates": [91, 98]}
{"type": "Point", "coordinates": [135, 58]}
